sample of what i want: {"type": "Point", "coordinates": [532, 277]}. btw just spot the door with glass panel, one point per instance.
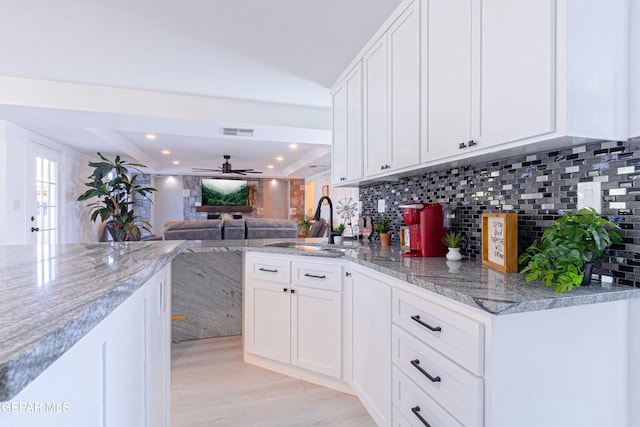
{"type": "Point", "coordinates": [43, 196]}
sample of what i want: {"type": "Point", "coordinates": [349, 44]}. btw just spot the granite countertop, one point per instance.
{"type": "Point", "coordinates": [469, 281]}
{"type": "Point", "coordinates": [50, 302]}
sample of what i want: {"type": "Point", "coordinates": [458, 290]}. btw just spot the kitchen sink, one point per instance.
{"type": "Point", "coordinates": [306, 247]}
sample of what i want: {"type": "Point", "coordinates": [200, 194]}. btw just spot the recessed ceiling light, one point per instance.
{"type": "Point", "coordinates": [279, 158]}
{"type": "Point", "coordinates": [165, 152]}
{"type": "Point", "coordinates": [270, 166]}
{"type": "Point", "coordinates": [150, 136]}
{"type": "Point", "coordinates": [176, 162]}
{"type": "Point", "coordinates": [293, 146]}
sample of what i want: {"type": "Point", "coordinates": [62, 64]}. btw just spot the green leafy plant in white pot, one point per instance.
{"type": "Point", "coordinates": [563, 258]}
{"type": "Point", "coordinates": [454, 241]}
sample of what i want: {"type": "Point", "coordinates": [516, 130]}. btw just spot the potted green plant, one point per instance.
{"type": "Point", "coordinates": [337, 231]}
{"type": "Point", "coordinates": [304, 225]}
{"type": "Point", "coordinates": [454, 242]}
{"type": "Point", "coordinates": [114, 189]}
{"type": "Point", "coordinates": [384, 227]}
{"type": "Point", "coordinates": [563, 258]}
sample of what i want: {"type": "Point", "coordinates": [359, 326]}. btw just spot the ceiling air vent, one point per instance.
{"type": "Point", "coordinates": [248, 133]}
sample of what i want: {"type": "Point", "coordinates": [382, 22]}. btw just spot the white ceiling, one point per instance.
{"type": "Point", "coordinates": [270, 53]}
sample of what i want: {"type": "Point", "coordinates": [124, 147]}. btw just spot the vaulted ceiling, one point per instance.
{"type": "Point", "coordinates": [100, 75]}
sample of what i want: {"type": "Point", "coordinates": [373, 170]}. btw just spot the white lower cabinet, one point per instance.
{"type": "Point", "coordinates": [371, 360]}
{"type": "Point", "coordinates": [297, 322]}
{"type": "Point", "coordinates": [116, 375]}
{"type": "Point", "coordinates": [416, 358]}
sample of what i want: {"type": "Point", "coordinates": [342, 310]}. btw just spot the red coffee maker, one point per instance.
{"type": "Point", "coordinates": [426, 229]}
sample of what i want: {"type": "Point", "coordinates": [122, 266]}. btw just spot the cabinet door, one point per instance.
{"type": "Point", "coordinates": [158, 364]}
{"type": "Point", "coordinates": [339, 144]}
{"type": "Point", "coordinates": [517, 98]}
{"type": "Point", "coordinates": [404, 53]}
{"type": "Point", "coordinates": [316, 326]}
{"type": "Point", "coordinates": [347, 129]}
{"type": "Point", "coordinates": [268, 317]}
{"type": "Point", "coordinates": [376, 108]}
{"type": "Point", "coordinates": [448, 67]}
{"type": "Point", "coordinates": [354, 124]}
{"type": "Point", "coordinates": [371, 348]}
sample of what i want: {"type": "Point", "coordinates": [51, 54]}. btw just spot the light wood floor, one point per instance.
{"type": "Point", "coordinates": [212, 386]}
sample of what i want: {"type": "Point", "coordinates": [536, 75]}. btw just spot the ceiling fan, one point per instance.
{"type": "Point", "coordinates": [226, 168]}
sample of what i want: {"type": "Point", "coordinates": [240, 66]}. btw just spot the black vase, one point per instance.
{"type": "Point", "coordinates": [588, 269]}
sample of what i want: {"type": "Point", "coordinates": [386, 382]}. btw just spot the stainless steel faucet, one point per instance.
{"type": "Point", "coordinates": [316, 217]}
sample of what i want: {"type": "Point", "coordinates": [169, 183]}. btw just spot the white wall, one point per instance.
{"type": "Point", "coordinates": [14, 218]}
{"type": "Point", "coordinates": [167, 202]}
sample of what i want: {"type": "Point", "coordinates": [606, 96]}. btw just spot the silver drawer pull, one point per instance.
{"type": "Point", "coordinates": [314, 276]}
{"type": "Point", "coordinates": [267, 270]}
{"type": "Point", "coordinates": [426, 325]}
{"type": "Point", "coordinates": [416, 364]}
{"type": "Point", "coordinates": [416, 412]}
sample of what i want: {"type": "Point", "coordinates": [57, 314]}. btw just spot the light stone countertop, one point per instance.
{"type": "Point", "coordinates": [469, 281]}
{"type": "Point", "coordinates": [47, 306]}
{"type": "Point", "coordinates": [49, 303]}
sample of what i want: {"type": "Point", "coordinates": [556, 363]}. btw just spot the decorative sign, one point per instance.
{"type": "Point", "coordinates": [404, 237]}
{"type": "Point", "coordinates": [500, 241]}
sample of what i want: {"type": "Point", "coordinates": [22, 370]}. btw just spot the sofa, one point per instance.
{"type": "Point", "coordinates": [231, 229]}
{"type": "Point", "coordinates": [266, 228]}
{"type": "Point", "coordinates": [208, 229]}
{"type": "Point", "coordinates": [234, 229]}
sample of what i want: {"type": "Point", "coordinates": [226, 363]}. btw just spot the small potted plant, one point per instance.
{"type": "Point", "coordinates": [454, 242]}
{"type": "Point", "coordinates": [384, 227]}
{"type": "Point", "coordinates": [338, 238]}
{"type": "Point", "coordinates": [304, 225]}
{"type": "Point", "coordinates": [563, 258]}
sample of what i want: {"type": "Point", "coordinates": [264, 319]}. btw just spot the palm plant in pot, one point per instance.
{"type": "Point", "coordinates": [114, 189]}
{"type": "Point", "coordinates": [384, 227]}
{"type": "Point", "coordinates": [563, 258]}
{"type": "Point", "coordinates": [454, 242]}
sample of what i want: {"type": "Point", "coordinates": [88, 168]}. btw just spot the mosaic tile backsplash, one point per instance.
{"type": "Point", "coordinates": [538, 188]}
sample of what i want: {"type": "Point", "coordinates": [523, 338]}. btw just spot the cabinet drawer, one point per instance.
{"type": "Point", "coordinates": [413, 404]}
{"type": "Point", "coordinates": [317, 275]}
{"type": "Point", "coordinates": [268, 269]}
{"type": "Point", "coordinates": [452, 334]}
{"type": "Point", "coordinates": [455, 389]}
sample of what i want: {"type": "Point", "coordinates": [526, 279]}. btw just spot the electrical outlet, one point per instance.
{"type": "Point", "coordinates": [590, 195]}
{"type": "Point", "coordinates": [382, 205]}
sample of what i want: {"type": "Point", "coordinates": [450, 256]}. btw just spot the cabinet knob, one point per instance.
{"type": "Point", "coordinates": [462, 145]}
{"type": "Point", "coordinates": [285, 289]}
{"type": "Point", "coordinates": [347, 274]}
{"type": "Point", "coordinates": [293, 291]}
{"type": "Point", "coordinates": [472, 143]}
{"type": "Point", "coordinates": [382, 167]}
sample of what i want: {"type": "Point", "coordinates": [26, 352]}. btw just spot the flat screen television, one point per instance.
{"type": "Point", "coordinates": [224, 192]}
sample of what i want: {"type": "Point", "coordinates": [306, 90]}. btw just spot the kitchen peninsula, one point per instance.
{"type": "Point", "coordinates": [85, 334]}
{"type": "Point", "coordinates": [501, 352]}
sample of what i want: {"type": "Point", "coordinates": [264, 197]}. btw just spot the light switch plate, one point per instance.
{"type": "Point", "coordinates": [590, 195]}
{"type": "Point", "coordinates": [381, 206]}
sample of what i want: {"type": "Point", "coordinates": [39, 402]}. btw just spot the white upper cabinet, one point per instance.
{"type": "Point", "coordinates": [347, 128]}
{"type": "Point", "coordinates": [451, 79]}
{"type": "Point", "coordinates": [517, 76]}
{"type": "Point", "coordinates": [404, 53]}
{"type": "Point", "coordinates": [376, 99]}
{"type": "Point", "coordinates": [392, 96]}
{"type": "Point", "coordinates": [448, 67]}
